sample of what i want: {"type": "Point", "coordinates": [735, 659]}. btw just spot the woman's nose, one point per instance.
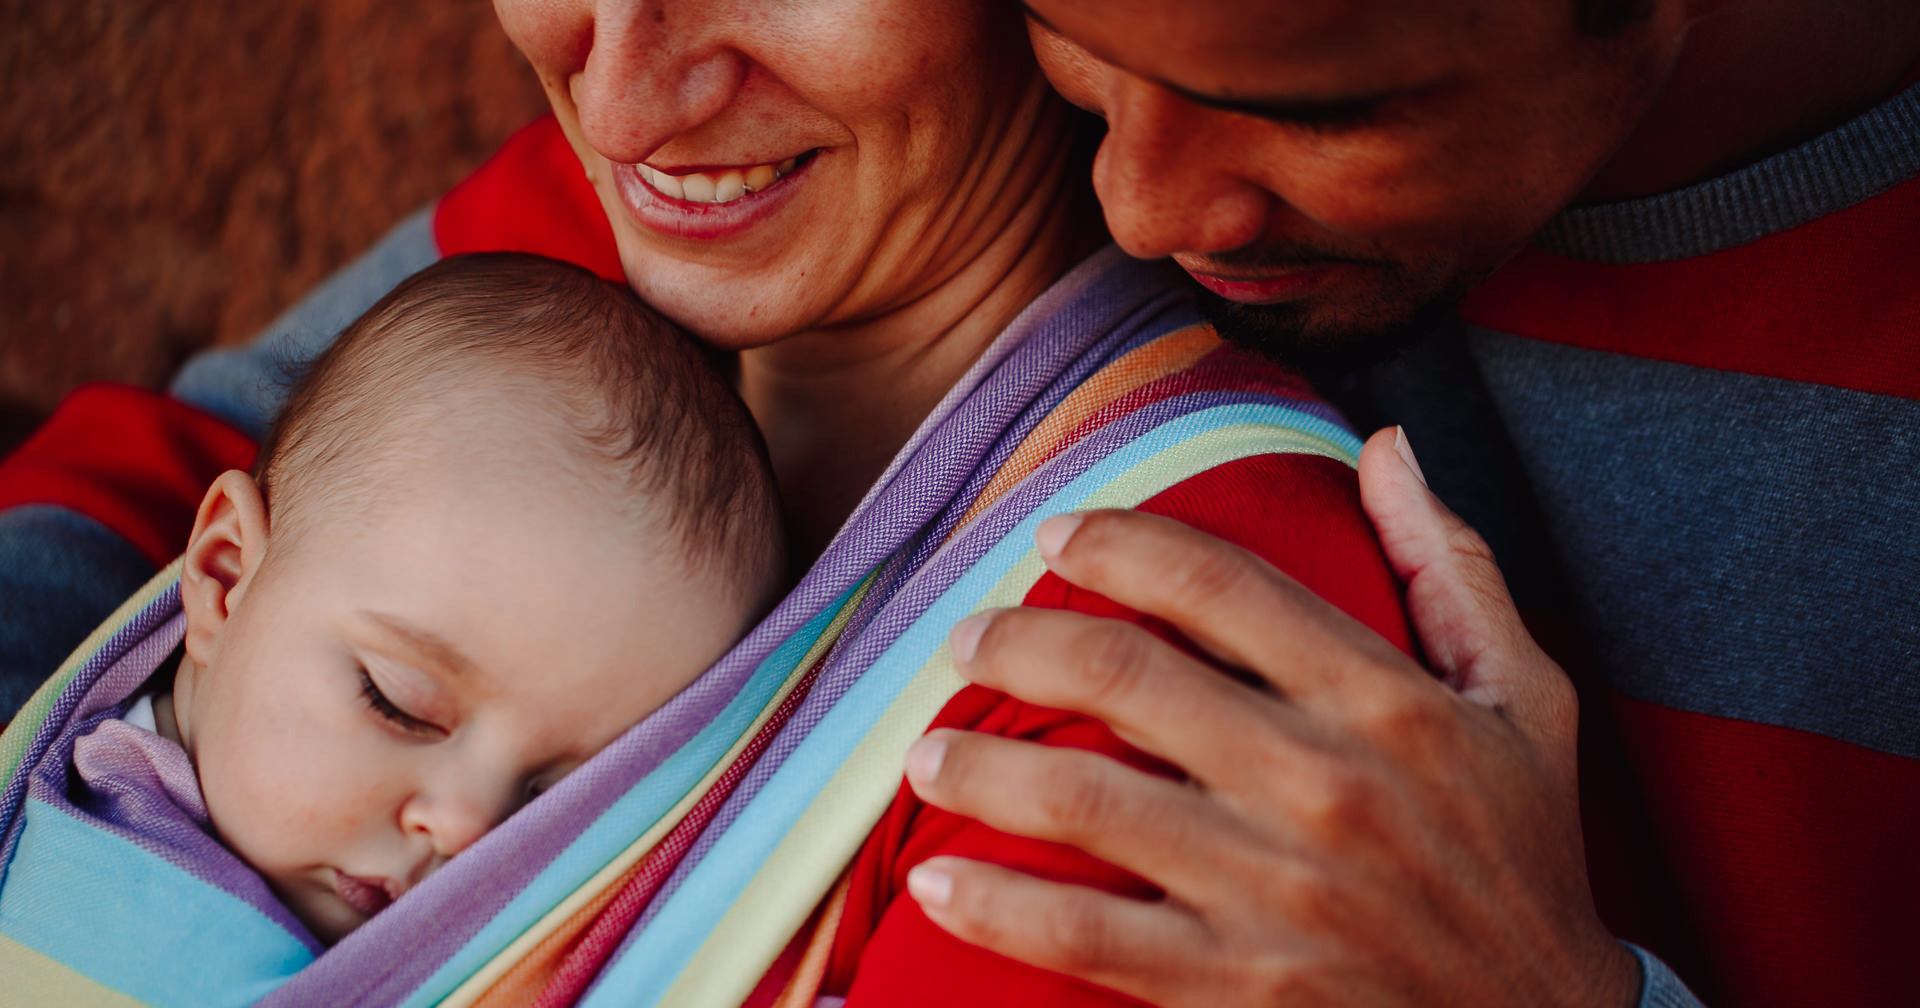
{"type": "Point", "coordinates": [1164, 185]}
{"type": "Point", "coordinates": [655, 69]}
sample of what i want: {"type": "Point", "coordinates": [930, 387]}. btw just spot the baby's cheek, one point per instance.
{"type": "Point", "coordinates": [266, 793]}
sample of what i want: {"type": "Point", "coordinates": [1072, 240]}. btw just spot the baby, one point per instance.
{"type": "Point", "coordinates": [506, 516]}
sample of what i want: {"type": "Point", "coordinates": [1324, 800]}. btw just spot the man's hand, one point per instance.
{"type": "Point", "coordinates": [1358, 832]}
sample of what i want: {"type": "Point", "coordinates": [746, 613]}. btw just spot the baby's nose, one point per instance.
{"type": "Point", "coordinates": [454, 816]}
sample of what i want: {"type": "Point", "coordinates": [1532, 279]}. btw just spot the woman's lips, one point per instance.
{"type": "Point", "coordinates": [692, 211]}
{"type": "Point", "coordinates": [367, 896]}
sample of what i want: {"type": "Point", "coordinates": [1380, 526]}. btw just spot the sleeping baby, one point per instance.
{"type": "Point", "coordinates": [508, 514]}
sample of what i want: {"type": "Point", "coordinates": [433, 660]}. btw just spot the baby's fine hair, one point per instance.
{"type": "Point", "coordinates": [650, 411]}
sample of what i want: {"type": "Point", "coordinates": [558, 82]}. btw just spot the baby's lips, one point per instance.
{"type": "Point", "coordinates": [365, 896]}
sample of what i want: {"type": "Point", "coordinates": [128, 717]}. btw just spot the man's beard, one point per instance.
{"type": "Point", "coordinates": [1301, 335]}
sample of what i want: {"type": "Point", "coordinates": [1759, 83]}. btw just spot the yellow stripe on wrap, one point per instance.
{"type": "Point", "coordinates": [472, 992]}
{"type": "Point", "coordinates": [790, 883]}
{"type": "Point", "coordinates": [29, 978]}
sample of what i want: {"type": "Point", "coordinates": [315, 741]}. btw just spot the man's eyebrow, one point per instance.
{"type": "Point", "coordinates": [1285, 109]}
{"type": "Point", "coordinates": [428, 644]}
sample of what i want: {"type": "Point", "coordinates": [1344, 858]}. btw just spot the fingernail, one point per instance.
{"type": "Point", "coordinates": [924, 758]}
{"type": "Point", "coordinates": [930, 886]}
{"type": "Point", "coordinates": [964, 639]}
{"type": "Point", "coordinates": [1405, 451]}
{"type": "Point", "coordinates": [1052, 535]}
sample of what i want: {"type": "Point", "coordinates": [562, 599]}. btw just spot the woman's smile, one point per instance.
{"type": "Point", "coordinates": [708, 203]}
{"type": "Point", "coordinates": [715, 185]}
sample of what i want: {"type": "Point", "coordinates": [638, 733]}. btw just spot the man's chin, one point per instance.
{"type": "Point", "coordinates": [1310, 338]}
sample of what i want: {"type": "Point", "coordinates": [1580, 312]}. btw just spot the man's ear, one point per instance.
{"type": "Point", "coordinates": [229, 542]}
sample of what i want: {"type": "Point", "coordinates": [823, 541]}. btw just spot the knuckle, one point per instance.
{"type": "Point", "coordinates": [1075, 801]}
{"type": "Point", "coordinates": [1216, 571]}
{"type": "Point", "coordinates": [1338, 802]}
{"type": "Point", "coordinates": [1079, 936]}
{"type": "Point", "coordinates": [1416, 720]}
{"type": "Point", "coordinates": [1468, 545]}
{"type": "Point", "coordinates": [1262, 979]}
{"type": "Point", "coordinates": [1109, 659]}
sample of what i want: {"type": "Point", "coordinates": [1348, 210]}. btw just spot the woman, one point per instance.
{"type": "Point", "coordinates": [875, 205]}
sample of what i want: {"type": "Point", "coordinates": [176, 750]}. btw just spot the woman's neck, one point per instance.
{"type": "Point", "coordinates": [835, 404]}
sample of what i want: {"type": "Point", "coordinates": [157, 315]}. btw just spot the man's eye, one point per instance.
{"type": "Point", "coordinates": [386, 708]}
{"type": "Point", "coordinates": [1329, 118]}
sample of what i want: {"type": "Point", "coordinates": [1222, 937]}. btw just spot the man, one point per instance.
{"type": "Point", "coordinates": [1697, 389]}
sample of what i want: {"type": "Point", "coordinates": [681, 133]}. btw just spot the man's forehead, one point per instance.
{"type": "Point", "coordinates": [1176, 39]}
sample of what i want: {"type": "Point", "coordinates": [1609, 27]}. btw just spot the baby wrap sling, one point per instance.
{"type": "Point", "coordinates": [693, 862]}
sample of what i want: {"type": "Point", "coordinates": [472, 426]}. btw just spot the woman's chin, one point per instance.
{"type": "Point", "coordinates": [729, 315]}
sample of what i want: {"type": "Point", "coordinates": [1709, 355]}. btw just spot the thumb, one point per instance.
{"type": "Point", "coordinates": [1456, 598]}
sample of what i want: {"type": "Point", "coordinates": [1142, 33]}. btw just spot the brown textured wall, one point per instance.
{"type": "Point", "coordinates": [173, 174]}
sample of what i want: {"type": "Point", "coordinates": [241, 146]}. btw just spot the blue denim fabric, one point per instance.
{"type": "Point", "coordinates": [60, 575]}
{"type": "Point", "coordinates": [246, 385]}
{"type": "Point", "coordinates": [1659, 987]}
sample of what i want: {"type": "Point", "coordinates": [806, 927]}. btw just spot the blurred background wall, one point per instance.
{"type": "Point", "coordinates": [173, 174]}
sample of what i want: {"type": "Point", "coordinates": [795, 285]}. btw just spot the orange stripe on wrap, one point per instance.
{"type": "Point", "coordinates": [1169, 354]}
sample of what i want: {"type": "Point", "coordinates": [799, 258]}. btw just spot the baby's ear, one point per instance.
{"type": "Point", "coordinates": [228, 543]}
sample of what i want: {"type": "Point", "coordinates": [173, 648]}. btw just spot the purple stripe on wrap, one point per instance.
{"type": "Point", "coordinates": [1170, 315]}
{"type": "Point", "coordinates": [125, 799]}
{"type": "Point", "coordinates": [69, 702]}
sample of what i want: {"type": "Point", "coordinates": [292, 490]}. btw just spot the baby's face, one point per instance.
{"type": "Point", "coordinates": [403, 676]}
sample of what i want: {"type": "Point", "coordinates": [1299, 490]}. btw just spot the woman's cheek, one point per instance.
{"type": "Point", "coordinates": [547, 32]}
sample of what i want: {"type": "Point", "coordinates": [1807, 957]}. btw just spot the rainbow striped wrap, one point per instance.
{"type": "Point", "coordinates": [694, 862]}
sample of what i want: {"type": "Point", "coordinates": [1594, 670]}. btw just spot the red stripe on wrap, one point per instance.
{"type": "Point", "coordinates": [131, 459]}
{"type": "Point", "coordinates": [531, 196]}
{"type": "Point", "coordinates": [1226, 367]}
{"type": "Point", "coordinates": [1831, 302]}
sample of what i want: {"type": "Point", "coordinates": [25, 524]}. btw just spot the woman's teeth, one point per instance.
{"type": "Point", "coordinates": [716, 187]}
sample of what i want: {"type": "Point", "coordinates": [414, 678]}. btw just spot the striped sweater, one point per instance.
{"type": "Point", "coordinates": [1688, 425]}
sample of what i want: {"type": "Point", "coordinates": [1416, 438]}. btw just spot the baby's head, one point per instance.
{"type": "Point", "coordinates": [507, 515]}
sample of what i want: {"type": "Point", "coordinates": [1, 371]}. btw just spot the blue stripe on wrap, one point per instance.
{"type": "Point", "coordinates": [67, 897]}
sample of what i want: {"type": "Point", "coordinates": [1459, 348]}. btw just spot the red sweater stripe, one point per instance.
{"type": "Point", "coordinates": [1793, 848]}
{"type": "Point", "coordinates": [1828, 302]}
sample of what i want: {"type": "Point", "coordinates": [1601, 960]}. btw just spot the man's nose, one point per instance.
{"type": "Point", "coordinates": [1163, 179]}
{"type": "Point", "coordinates": [655, 69]}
